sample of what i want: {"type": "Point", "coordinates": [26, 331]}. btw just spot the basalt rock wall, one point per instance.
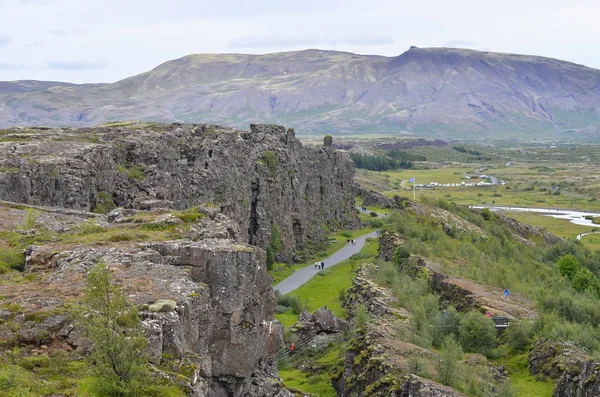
{"type": "Point", "coordinates": [263, 179]}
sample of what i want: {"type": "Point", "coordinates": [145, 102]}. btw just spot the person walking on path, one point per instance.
{"type": "Point", "coordinates": [316, 265]}
{"type": "Point", "coordinates": [293, 347]}
{"type": "Point", "coordinates": [506, 293]}
{"type": "Point", "coordinates": [322, 265]}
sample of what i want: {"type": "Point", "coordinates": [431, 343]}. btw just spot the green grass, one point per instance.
{"type": "Point", "coordinates": [591, 241]}
{"type": "Point", "coordinates": [319, 383]}
{"type": "Point", "coordinates": [338, 240]}
{"type": "Point", "coordinates": [325, 290]}
{"type": "Point", "coordinates": [510, 198]}
{"type": "Point", "coordinates": [525, 383]}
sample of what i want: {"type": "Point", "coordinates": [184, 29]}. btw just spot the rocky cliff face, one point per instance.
{"type": "Point", "coordinates": [207, 304]}
{"type": "Point", "coordinates": [263, 179]}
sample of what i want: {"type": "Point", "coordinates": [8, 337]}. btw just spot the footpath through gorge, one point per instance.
{"type": "Point", "coordinates": [303, 275]}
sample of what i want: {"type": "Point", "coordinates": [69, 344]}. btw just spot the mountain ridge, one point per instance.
{"type": "Point", "coordinates": [436, 91]}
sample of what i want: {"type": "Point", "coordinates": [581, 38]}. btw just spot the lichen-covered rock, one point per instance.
{"type": "Point", "coordinates": [584, 382]}
{"type": "Point", "coordinates": [388, 243]}
{"type": "Point", "coordinates": [415, 386]}
{"type": "Point", "coordinates": [578, 374]}
{"type": "Point", "coordinates": [262, 180]}
{"type": "Point", "coordinates": [552, 359]}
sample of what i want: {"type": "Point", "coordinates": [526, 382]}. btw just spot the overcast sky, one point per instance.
{"type": "Point", "coordinates": [108, 40]}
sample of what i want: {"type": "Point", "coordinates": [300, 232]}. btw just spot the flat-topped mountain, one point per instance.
{"type": "Point", "coordinates": [425, 91]}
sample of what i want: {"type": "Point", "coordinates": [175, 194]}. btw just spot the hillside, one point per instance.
{"type": "Point", "coordinates": [424, 91]}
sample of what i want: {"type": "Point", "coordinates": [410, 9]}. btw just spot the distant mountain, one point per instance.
{"type": "Point", "coordinates": [425, 91]}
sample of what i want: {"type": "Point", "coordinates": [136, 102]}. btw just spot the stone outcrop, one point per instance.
{"type": "Point", "coordinates": [388, 243]}
{"type": "Point", "coordinates": [375, 360]}
{"type": "Point", "coordinates": [264, 180]}
{"type": "Point", "coordinates": [578, 374]}
{"type": "Point", "coordinates": [528, 234]}
{"type": "Point", "coordinates": [322, 321]}
{"type": "Point", "coordinates": [209, 302]}
{"type": "Point", "coordinates": [373, 198]}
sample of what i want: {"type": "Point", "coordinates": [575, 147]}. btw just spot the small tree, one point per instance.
{"type": "Point", "coordinates": [327, 140]}
{"type": "Point", "coordinates": [568, 266]}
{"type": "Point", "coordinates": [118, 357]}
{"type": "Point", "coordinates": [270, 258]}
{"type": "Point", "coordinates": [448, 363]}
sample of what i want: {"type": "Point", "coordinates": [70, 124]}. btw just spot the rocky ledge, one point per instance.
{"type": "Point", "coordinates": [276, 190]}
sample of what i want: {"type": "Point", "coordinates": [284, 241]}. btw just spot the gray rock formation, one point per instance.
{"type": "Point", "coordinates": [209, 302]}
{"type": "Point", "coordinates": [321, 321]}
{"type": "Point", "coordinates": [264, 180]}
{"type": "Point", "coordinates": [578, 374]}
{"type": "Point", "coordinates": [376, 199]}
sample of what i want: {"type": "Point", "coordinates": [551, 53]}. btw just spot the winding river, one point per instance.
{"type": "Point", "coordinates": [576, 217]}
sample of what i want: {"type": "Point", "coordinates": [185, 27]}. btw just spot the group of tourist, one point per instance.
{"type": "Point", "coordinates": [319, 265]}
{"type": "Point", "coordinates": [351, 242]}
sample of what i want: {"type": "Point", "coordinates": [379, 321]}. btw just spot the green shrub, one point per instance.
{"type": "Point", "coordinates": [417, 366]}
{"type": "Point", "coordinates": [12, 257]}
{"type": "Point", "coordinates": [104, 203]}
{"type": "Point", "coordinates": [291, 301]}
{"type": "Point", "coordinates": [276, 239]}
{"type": "Point", "coordinates": [270, 159]}
{"type": "Point", "coordinates": [444, 325]}
{"type": "Point", "coordinates": [361, 317]}
{"type": "Point", "coordinates": [519, 334]}
{"type": "Point", "coordinates": [477, 333]}
{"type": "Point", "coordinates": [31, 217]}
{"type": "Point", "coordinates": [270, 258]}
{"type": "Point", "coordinates": [133, 171]}
{"type": "Point", "coordinates": [487, 214]}
{"type": "Point", "coordinates": [568, 266]}
{"type": "Point", "coordinates": [448, 363]}
{"type": "Point", "coordinates": [89, 227]}
{"type": "Point", "coordinates": [373, 214]}
{"type": "Point", "coordinates": [376, 223]}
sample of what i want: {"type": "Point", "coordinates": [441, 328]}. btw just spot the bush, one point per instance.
{"type": "Point", "coordinates": [327, 140]}
{"type": "Point", "coordinates": [118, 358]}
{"type": "Point", "coordinates": [568, 266]}
{"type": "Point", "coordinates": [376, 223]}
{"type": "Point", "coordinates": [373, 214]}
{"type": "Point", "coordinates": [13, 258]}
{"type": "Point", "coordinates": [519, 334]}
{"type": "Point", "coordinates": [448, 363]}
{"type": "Point", "coordinates": [444, 325]}
{"type": "Point", "coordinates": [487, 214]}
{"type": "Point", "coordinates": [417, 366]}
{"type": "Point", "coordinates": [104, 203]}
{"type": "Point", "coordinates": [292, 302]}
{"type": "Point", "coordinates": [477, 333]}
{"type": "Point", "coordinates": [270, 258]}
{"type": "Point", "coordinates": [31, 217]}
{"type": "Point", "coordinates": [361, 318]}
